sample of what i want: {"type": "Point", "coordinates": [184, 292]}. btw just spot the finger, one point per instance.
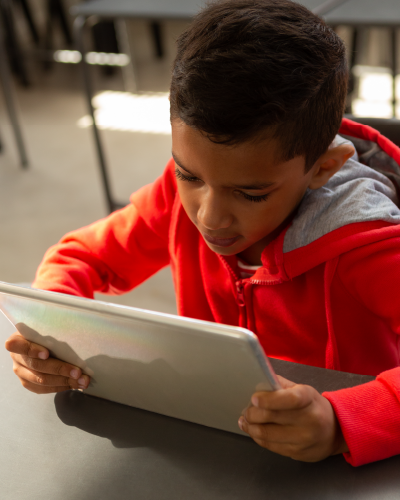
{"type": "Point", "coordinates": [40, 389]}
{"type": "Point", "coordinates": [46, 380]}
{"type": "Point", "coordinates": [51, 366]}
{"type": "Point", "coordinates": [254, 415]}
{"type": "Point", "coordinates": [285, 383]}
{"type": "Point", "coordinates": [284, 449]}
{"type": "Point", "coordinates": [268, 433]}
{"type": "Point", "coordinates": [18, 344]}
{"type": "Point", "coordinates": [293, 398]}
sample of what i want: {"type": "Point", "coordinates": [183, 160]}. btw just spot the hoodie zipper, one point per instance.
{"type": "Point", "coordinates": [239, 285]}
{"type": "Point", "coordinates": [239, 293]}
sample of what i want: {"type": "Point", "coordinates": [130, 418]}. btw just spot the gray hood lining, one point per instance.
{"type": "Point", "coordinates": [357, 193]}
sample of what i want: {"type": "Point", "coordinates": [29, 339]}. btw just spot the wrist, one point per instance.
{"type": "Point", "coordinates": [339, 444]}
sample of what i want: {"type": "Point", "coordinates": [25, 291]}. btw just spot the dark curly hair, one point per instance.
{"type": "Point", "coordinates": [248, 68]}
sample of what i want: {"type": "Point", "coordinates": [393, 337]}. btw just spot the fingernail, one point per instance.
{"type": "Point", "coordinates": [82, 382]}
{"type": "Point", "coordinates": [254, 401]}
{"type": "Point", "coordinates": [240, 422]}
{"type": "Point", "coordinates": [74, 373]}
{"type": "Point", "coordinates": [42, 355]}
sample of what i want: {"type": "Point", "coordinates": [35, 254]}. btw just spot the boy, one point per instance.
{"type": "Point", "coordinates": [268, 222]}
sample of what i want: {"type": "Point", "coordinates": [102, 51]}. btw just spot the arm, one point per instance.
{"type": "Point", "coordinates": [112, 256]}
{"type": "Point", "coordinates": [117, 253]}
{"type": "Point", "coordinates": [363, 422]}
{"type": "Point", "coordinates": [369, 414]}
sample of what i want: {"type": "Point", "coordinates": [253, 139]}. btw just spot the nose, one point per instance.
{"type": "Point", "coordinates": [213, 212]}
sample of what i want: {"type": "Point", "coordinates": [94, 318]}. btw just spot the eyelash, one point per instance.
{"type": "Point", "coordinates": [255, 199]}
{"type": "Point", "coordinates": [183, 177]}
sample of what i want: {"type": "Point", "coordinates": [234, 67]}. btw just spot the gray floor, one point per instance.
{"type": "Point", "coordinates": [61, 189]}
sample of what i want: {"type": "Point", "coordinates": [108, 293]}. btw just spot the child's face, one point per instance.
{"type": "Point", "coordinates": [238, 197]}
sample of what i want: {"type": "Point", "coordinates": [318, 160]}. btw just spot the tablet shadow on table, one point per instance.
{"type": "Point", "coordinates": [221, 457]}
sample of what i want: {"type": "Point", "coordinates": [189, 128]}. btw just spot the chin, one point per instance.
{"type": "Point", "coordinates": [226, 251]}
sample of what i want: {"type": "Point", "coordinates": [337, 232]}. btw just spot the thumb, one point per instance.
{"type": "Point", "coordinates": [285, 383]}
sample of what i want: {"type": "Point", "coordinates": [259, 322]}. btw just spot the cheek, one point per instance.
{"type": "Point", "coordinates": [189, 200]}
{"type": "Point", "coordinates": [256, 218]}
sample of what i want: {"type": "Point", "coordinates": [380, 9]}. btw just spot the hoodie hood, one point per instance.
{"type": "Point", "coordinates": [357, 193]}
{"type": "Point", "coordinates": [358, 205]}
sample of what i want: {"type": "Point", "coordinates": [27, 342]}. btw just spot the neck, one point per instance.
{"type": "Point", "coordinates": [252, 254]}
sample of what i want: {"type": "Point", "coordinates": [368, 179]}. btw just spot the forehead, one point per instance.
{"type": "Point", "coordinates": [249, 161]}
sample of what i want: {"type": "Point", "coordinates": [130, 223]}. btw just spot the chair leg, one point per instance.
{"type": "Point", "coordinates": [79, 32]}
{"type": "Point", "coordinates": [31, 23]}
{"type": "Point", "coordinates": [9, 100]}
{"type": "Point", "coordinates": [16, 56]}
{"type": "Point", "coordinates": [156, 30]}
{"type": "Point", "coordinates": [60, 11]}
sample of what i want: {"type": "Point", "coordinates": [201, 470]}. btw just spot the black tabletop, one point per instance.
{"type": "Point", "coordinates": [77, 447]}
{"type": "Point", "coordinates": [354, 12]}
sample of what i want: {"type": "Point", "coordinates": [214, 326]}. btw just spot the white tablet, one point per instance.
{"type": "Point", "coordinates": [194, 370]}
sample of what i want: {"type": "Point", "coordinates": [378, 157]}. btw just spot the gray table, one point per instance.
{"type": "Point", "coordinates": [77, 447]}
{"type": "Point", "coordinates": [385, 12]}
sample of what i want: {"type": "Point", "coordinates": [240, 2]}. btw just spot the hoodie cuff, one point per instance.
{"type": "Point", "coordinates": [369, 416]}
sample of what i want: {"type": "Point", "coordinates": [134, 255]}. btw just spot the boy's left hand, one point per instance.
{"type": "Point", "coordinates": [295, 421]}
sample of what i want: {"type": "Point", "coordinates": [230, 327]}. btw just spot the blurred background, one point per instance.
{"type": "Point", "coordinates": [129, 61]}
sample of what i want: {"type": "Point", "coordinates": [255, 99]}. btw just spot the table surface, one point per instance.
{"type": "Point", "coordinates": [72, 446]}
{"type": "Point", "coordinates": [354, 12]}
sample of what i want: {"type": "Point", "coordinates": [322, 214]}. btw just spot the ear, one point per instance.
{"type": "Point", "coordinates": [329, 163]}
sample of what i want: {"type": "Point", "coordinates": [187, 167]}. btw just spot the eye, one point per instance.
{"type": "Point", "coordinates": [182, 177]}
{"type": "Point", "coordinates": [256, 199]}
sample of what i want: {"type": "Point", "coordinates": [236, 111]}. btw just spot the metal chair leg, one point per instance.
{"type": "Point", "coordinates": [11, 41]}
{"type": "Point", "coordinates": [79, 31]}
{"type": "Point", "coordinates": [9, 100]}
{"type": "Point", "coordinates": [156, 30]}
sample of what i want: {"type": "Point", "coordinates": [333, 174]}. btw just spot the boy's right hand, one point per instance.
{"type": "Point", "coordinates": [40, 373]}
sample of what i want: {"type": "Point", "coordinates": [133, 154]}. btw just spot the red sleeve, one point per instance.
{"type": "Point", "coordinates": [115, 254]}
{"type": "Point", "coordinates": [369, 414]}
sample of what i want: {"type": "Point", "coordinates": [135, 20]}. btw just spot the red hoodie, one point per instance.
{"type": "Point", "coordinates": [324, 296]}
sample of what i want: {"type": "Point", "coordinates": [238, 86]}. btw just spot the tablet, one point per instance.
{"type": "Point", "coordinates": [185, 368]}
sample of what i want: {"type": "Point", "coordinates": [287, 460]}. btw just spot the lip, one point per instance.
{"type": "Point", "coordinates": [220, 242]}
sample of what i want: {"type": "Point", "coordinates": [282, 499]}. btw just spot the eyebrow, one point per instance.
{"type": "Point", "coordinates": [252, 186]}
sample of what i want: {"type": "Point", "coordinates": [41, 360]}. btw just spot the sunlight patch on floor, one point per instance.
{"type": "Point", "coordinates": [147, 113]}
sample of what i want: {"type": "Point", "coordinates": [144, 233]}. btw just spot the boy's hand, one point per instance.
{"type": "Point", "coordinates": [38, 372]}
{"type": "Point", "coordinates": [295, 421]}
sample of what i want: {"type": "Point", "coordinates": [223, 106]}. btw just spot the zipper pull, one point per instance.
{"type": "Point", "coordinates": [240, 294]}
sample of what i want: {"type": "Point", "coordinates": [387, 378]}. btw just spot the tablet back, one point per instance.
{"type": "Point", "coordinates": [194, 370]}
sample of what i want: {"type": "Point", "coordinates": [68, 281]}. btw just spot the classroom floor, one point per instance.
{"type": "Point", "coordinates": [61, 190]}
